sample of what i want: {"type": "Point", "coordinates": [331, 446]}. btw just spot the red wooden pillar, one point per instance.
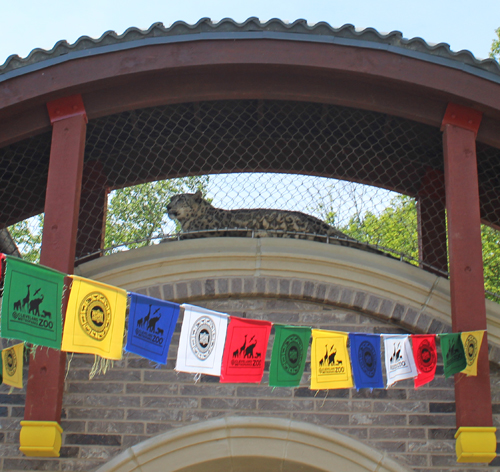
{"type": "Point", "coordinates": [93, 207]}
{"type": "Point", "coordinates": [472, 394]}
{"type": "Point", "coordinates": [62, 202]}
{"type": "Point", "coordinates": [432, 223]}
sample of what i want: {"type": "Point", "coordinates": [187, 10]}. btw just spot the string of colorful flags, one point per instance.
{"type": "Point", "coordinates": [35, 301]}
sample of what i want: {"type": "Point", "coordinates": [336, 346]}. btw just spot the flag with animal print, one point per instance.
{"type": "Point", "coordinates": [12, 365]}
{"type": "Point", "coordinates": [289, 355]}
{"type": "Point", "coordinates": [31, 305]}
{"type": "Point", "coordinates": [245, 352]}
{"type": "Point", "coordinates": [425, 354]}
{"type": "Point", "coordinates": [201, 343]}
{"type": "Point", "coordinates": [330, 363]}
{"type": "Point", "coordinates": [452, 349]}
{"type": "Point", "coordinates": [95, 319]}
{"type": "Point", "coordinates": [151, 324]}
{"type": "Point", "coordinates": [472, 341]}
{"type": "Point", "coordinates": [366, 360]}
{"type": "Point", "coordinates": [399, 361]}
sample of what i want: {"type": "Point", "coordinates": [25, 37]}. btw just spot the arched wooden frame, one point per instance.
{"type": "Point", "coordinates": [304, 69]}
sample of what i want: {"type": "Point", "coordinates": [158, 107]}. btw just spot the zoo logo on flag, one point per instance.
{"type": "Point", "coordinates": [454, 354]}
{"type": "Point", "coordinates": [146, 328]}
{"type": "Point", "coordinates": [396, 360]}
{"type": "Point", "coordinates": [291, 354]}
{"type": "Point", "coordinates": [245, 356]}
{"type": "Point", "coordinates": [94, 315]}
{"type": "Point", "coordinates": [27, 310]}
{"type": "Point", "coordinates": [11, 362]}
{"type": "Point", "coordinates": [202, 337]}
{"type": "Point", "coordinates": [367, 358]}
{"type": "Point", "coordinates": [471, 349]}
{"type": "Point", "coordinates": [328, 365]}
{"type": "Point", "coordinates": [426, 357]}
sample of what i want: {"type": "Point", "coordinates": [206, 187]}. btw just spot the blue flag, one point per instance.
{"type": "Point", "coordinates": [366, 360]}
{"type": "Point", "coordinates": [151, 324]}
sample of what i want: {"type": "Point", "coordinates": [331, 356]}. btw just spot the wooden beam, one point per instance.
{"type": "Point", "coordinates": [47, 369]}
{"type": "Point", "coordinates": [460, 126]}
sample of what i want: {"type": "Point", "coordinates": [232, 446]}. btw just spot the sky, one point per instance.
{"type": "Point", "coordinates": [463, 24]}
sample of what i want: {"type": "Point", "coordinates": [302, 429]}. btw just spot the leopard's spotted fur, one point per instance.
{"type": "Point", "coordinates": [196, 214]}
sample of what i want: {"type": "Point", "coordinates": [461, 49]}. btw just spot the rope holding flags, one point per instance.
{"type": "Point", "coordinates": [210, 343]}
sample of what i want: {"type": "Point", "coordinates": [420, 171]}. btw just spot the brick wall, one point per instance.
{"type": "Point", "coordinates": [136, 399]}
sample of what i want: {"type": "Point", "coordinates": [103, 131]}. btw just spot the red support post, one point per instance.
{"type": "Point", "coordinates": [47, 369]}
{"type": "Point", "coordinates": [460, 126]}
{"type": "Point", "coordinates": [432, 223]}
{"type": "Point", "coordinates": [93, 208]}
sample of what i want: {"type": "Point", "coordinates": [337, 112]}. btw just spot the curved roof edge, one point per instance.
{"type": "Point", "coordinates": [346, 35]}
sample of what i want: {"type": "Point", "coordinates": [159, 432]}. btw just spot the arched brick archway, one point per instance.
{"type": "Point", "coordinates": [238, 444]}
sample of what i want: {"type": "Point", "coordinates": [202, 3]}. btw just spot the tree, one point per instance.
{"type": "Point", "coordinates": [394, 228]}
{"type": "Point", "coordinates": [137, 214]}
{"type": "Point", "coordinates": [495, 46]}
{"type": "Point", "coordinates": [28, 236]}
{"type": "Point", "coordinates": [491, 261]}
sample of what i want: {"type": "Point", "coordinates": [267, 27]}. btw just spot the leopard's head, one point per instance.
{"type": "Point", "coordinates": [185, 206]}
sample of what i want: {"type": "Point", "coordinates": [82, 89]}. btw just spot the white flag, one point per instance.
{"type": "Point", "coordinates": [201, 345]}
{"type": "Point", "coordinates": [399, 361]}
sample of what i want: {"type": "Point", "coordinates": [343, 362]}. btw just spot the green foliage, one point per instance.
{"type": "Point", "coordinates": [136, 214]}
{"type": "Point", "coordinates": [28, 236]}
{"type": "Point", "coordinates": [394, 228]}
{"type": "Point", "coordinates": [491, 260]}
{"type": "Point", "coordinates": [495, 46]}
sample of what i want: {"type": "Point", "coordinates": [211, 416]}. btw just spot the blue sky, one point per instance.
{"type": "Point", "coordinates": [464, 24]}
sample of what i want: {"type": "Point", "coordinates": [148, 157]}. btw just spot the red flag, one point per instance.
{"type": "Point", "coordinates": [245, 351]}
{"type": "Point", "coordinates": [425, 354]}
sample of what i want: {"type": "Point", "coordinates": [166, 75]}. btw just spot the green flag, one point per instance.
{"type": "Point", "coordinates": [31, 303]}
{"type": "Point", "coordinates": [453, 353]}
{"type": "Point", "coordinates": [289, 355]}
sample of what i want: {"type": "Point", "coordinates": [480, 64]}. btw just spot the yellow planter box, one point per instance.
{"type": "Point", "coordinates": [40, 438]}
{"type": "Point", "coordinates": [476, 444]}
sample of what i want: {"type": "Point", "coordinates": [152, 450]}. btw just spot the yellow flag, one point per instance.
{"type": "Point", "coordinates": [330, 364]}
{"type": "Point", "coordinates": [95, 319]}
{"type": "Point", "coordinates": [472, 344]}
{"type": "Point", "coordinates": [12, 369]}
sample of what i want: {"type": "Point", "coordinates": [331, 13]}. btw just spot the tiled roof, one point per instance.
{"type": "Point", "coordinates": [275, 28]}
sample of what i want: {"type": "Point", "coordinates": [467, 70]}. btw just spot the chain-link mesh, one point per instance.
{"type": "Point", "coordinates": [376, 178]}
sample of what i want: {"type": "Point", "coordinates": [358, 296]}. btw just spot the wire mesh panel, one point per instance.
{"type": "Point", "coordinates": [376, 178]}
{"type": "Point", "coordinates": [347, 167]}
